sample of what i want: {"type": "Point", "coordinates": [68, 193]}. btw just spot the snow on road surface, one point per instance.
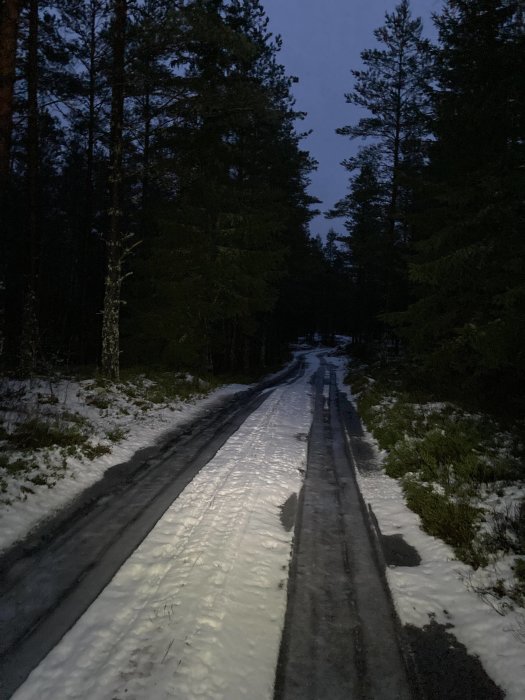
{"type": "Point", "coordinates": [197, 611]}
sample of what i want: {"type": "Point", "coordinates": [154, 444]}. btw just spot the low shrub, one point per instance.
{"type": "Point", "coordinates": [14, 467]}
{"type": "Point", "coordinates": [49, 399]}
{"type": "Point", "coordinates": [453, 521]}
{"type": "Point", "coordinates": [155, 387]}
{"type": "Point", "coordinates": [519, 570]}
{"type": "Point", "coordinates": [36, 433]}
{"type": "Point", "coordinates": [506, 530]}
{"type": "Point", "coordinates": [100, 401]}
{"type": "Point", "coordinates": [116, 434]}
{"type": "Point", "coordinates": [94, 451]}
{"type": "Point", "coordinates": [446, 456]}
{"type": "Point", "coordinates": [38, 480]}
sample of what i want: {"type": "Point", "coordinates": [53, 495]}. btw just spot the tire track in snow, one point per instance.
{"type": "Point", "coordinates": [197, 610]}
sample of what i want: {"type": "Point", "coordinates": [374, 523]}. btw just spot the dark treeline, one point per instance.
{"type": "Point", "coordinates": [153, 189]}
{"type": "Point", "coordinates": [435, 210]}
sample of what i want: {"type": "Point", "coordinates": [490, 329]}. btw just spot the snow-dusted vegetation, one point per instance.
{"type": "Point", "coordinates": [450, 482]}
{"type": "Point", "coordinates": [59, 435]}
{"type": "Point", "coordinates": [461, 472]}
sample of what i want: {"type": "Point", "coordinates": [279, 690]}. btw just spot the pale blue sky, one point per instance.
{"type": "Point", "coordinates": [322, 42]}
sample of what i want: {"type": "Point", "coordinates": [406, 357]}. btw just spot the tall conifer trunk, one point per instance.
{"type": "Point", "coordinates": [147, 146]}
{"type": "Point", "coordinates": [30, 331]}
{"type": "Point", "coordinates": [9, 13]}
{"type": "Point", "coordinates": [111, 312]}
{"type": "Point", "coordinates": [95, 8]}
{"type": "Point", "coordinates": [394, 176]}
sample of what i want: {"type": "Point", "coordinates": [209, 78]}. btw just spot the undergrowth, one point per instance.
{"type": "Point", "coordinates": [36, 433]}
{"type": "Point", "coordinates": [45, 422]}
{"type": "Point", "coordinates": [448, 461]}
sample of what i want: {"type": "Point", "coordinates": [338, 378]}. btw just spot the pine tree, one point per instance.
{"type": "Point", "coordinates": [30, 330]}
{"type": "Point", "coordinates": [115, 239]}
{"type": "Point", "coordinates": [84, 24]}
{"type": "Point", "coordinates": [154, 85]}
{"type": "Point", "coordinates": [394, 88]}
{"type": "Point", "coordinates": [234, 155]}
{"type": "Point", "coordinates": [35, 157]}
{"type": "Point", "coordinates": [467, 323]}
{"type": "Point", "coordinates": [364, 210]}
{"type": "Point", "coordinates": [9, 14]}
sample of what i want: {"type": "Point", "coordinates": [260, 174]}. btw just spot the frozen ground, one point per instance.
{"type": "Point", "coordinates": [198, 609]}
{"type": "Point", "coordinates": [441, 588]}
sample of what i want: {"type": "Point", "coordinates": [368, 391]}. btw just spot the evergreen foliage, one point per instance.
{"type": "Point", "coordinates": [467, 324]}
{"type": "Point", "coordinates": [393, 87]}
{"type": "Point", "coordinates": [165, 153]}
{"type": "Point", "coordinates": [434, 212]}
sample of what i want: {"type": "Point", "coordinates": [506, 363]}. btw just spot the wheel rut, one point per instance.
{"type": "Point", "coordinates": [48, 581]}
{"type": "Point", "coordinates": [340, 638]}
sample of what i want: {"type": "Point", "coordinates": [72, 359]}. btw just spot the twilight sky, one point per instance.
{"type": "Point", "coordinates": [322, 42]}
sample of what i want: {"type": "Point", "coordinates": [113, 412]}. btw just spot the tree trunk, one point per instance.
{"type": "Point", "coordinates": [30, 331]}
{"type": "Point", "coordinates": [9, 12]}
{"type": "Point", "coordinates": [262, 348]}
{"type": "Point", "coordinates": [147, 150]}
{"type": "Point", "coordinates": [246, 354]}
{"type": "Point", "coordinates": [87, 323]}
{"type": "Point", "coordinates": [394, 192]}
{"type": "Point", "coordinates": [111, 311]}
{"type": "Point", "coordinates": [233, 346]}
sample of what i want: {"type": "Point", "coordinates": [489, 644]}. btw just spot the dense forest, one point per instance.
{"type": "Point", "coordinates": [154, 204]}
{"type": "Point", "coordinates": [435, 209]}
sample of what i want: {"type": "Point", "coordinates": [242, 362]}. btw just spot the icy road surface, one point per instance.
{"type": "Point", "coordinates": [197, 610]}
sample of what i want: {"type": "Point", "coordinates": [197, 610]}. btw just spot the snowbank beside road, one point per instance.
{"type": "Point", "coordinates": [26, 503]}
{"type": "Point", "coordinates": [440, 589]}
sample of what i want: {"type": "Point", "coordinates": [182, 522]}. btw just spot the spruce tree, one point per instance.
{"type": "Point", "coordinates": [115, 240]}
{"type": "Point", "coordinates": [467, 323]}
{"type": "Point", "coordinates": [9, 16]}
{"type": "Point", "coordinates": [393, 87]}
{"type": "Point", "coordinates": [221, 247]}
{"type": "Point", "coordinates": [366, 244]}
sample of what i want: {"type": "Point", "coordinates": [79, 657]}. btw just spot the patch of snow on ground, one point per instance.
{"type": "Point", "coordinates": [140, 428]}
{"type": "Point", "coordinates": [441, 587]}
{"type": "Point", "coordinates": [197, 611]}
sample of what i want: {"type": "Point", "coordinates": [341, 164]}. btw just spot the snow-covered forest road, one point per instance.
{"type": "Point", "coordinates": [181, 582]}
{"type": "Point", "coordinates": [47, 584]}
